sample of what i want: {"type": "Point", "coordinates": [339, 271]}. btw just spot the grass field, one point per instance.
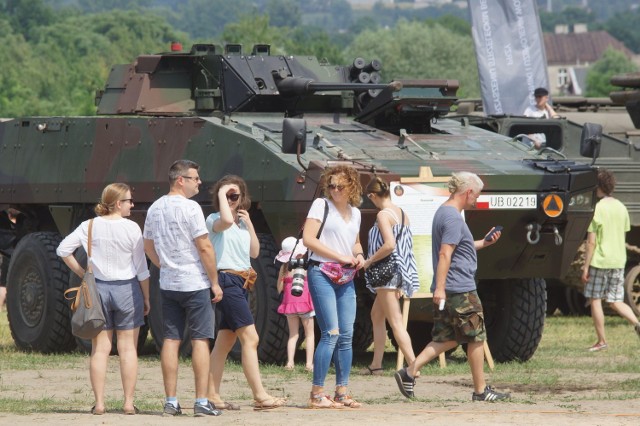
{"type": "Point", "coordinates": [561, 364]}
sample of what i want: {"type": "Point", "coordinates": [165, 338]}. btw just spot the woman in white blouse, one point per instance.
{"type": "Point", "coordinates": [122, 276]}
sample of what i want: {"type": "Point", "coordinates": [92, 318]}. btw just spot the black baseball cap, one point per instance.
{"type": "Point", "coordinates": [540, 91]}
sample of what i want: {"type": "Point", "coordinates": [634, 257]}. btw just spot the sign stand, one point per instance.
{"type": "Point", "coordinates": [426, 176]}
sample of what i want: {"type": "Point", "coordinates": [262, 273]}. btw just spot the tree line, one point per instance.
{"type": "Point", "coordinates": [57, 53]}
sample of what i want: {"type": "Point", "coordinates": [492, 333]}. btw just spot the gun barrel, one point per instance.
{"type": "Point", "coordinates": [302, 86]}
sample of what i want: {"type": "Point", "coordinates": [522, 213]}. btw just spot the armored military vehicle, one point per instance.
{"type": "Point", "coordinates": [619, 116]}
{"type": "Point", "coordinates": [278, 121]}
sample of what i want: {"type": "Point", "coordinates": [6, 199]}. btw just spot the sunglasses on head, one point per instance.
{"type": "Point", "coordinates": [333, 186]}
{"type": "Point", "coordinates": [233, 197]}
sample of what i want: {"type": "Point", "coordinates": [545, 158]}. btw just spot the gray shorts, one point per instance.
{"type": "Point", "coordinates": [605, 284]}
{"type": "Point", "coordinates": [192, 308]}
{"type": "Point", "coordinates": [122, 304]}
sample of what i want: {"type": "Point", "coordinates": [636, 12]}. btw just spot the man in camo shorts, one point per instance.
{"type": "Point", "coordinates": [454, 264]}
{"type": "Point", "coordinates": [605, 259]}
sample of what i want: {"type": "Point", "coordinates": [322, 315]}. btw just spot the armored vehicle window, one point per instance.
{"type": "Point", "coordinates": [552, 131]}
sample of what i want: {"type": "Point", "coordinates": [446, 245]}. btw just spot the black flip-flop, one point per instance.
{"type": "Point", "coordinates": [372, 371]}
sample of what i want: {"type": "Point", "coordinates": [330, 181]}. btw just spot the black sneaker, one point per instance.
{"type": "Point", "coordinates": [170, 410]}
{"type": "Point", "coordinates": [205, 410]}
{"type": "Point", "coordinates": [405, 383]}
{"type": "Point", "coordinates": [489, 395]}
{"type": "Point", "coordinates": [637, 328]}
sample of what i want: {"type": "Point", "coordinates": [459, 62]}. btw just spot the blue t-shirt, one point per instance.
{"type": "Point", "coordinates": [449, 228]}
{"type": "Point", "coordinates": [232, 246]}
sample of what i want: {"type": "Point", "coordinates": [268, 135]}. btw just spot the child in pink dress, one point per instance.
{"type": "Point", "coordinates": [296, 308]}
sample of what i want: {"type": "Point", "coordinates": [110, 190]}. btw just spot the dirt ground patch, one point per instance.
{"type": "Point", "coordinates": [440, 400]}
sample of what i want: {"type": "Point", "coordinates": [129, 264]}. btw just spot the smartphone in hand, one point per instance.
{"type": "Point", "coordinates": [490, 235]}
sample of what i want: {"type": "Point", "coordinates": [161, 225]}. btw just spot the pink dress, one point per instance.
{"type": "Point", "coordinates": [292, 305]}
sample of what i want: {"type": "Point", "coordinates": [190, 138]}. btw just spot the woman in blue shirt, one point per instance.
{"type": "Point", "coordinates": [235, 242]}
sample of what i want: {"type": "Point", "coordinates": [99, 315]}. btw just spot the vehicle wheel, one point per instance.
{"type": "Point", "coordinates": [362, 328]}
{"type": "Point", "coordinates": [576, 302]}
{"type": "Point", "coordinates": [154, 319]}
{"type": "Point", "coordinates": [37, 310]}
{"type": "Point", "coordinates": [419, 332]}
{"type": "Point", "coordinates": [514, 312]}
{"type": "Point", "coordinates": [632, 289]}
{"type": "Point", "coordinates": [264, 301]}
{"type": "Point", "coordinates": [84, 345]}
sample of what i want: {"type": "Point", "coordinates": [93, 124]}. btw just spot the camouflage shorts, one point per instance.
{"type": "Point", "coordinates": [461, 320]}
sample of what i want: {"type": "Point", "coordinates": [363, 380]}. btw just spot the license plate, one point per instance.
{"type": "Point", "coordinates": [507, 202]}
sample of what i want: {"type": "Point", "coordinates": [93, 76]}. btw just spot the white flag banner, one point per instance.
{"type": "Point", "coordinates": [510, 52]}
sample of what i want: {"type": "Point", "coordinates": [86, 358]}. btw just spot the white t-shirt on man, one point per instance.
{"type": "Point", "coordinates": [173, 222]}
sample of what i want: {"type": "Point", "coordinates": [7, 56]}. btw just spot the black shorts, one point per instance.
{"type": "Point", "coordinates": [234, 306]}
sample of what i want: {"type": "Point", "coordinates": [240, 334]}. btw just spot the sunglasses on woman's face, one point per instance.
{"type": "Point", "coordinates": [233, 197]}
{"type": "Point", "coordinates": [333, 187]}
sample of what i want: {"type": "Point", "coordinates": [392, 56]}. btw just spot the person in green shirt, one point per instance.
{"type": "Point", "coordinates": [605, 258]}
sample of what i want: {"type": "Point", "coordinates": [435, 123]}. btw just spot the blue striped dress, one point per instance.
{"type": "Point", "coordinates": [403, 253]}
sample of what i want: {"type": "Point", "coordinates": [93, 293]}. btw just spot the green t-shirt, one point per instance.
{"type": "Point", "coordinates": [610, 224]}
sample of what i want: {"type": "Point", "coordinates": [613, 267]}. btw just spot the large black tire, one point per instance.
{"type": "Point", "coordinates": [84, 345]}
{"type": "Point", "coordinates": [264, 301]}
{"type": "Point", "coordinates": [362, 328]}
{"type": "Point", "coordinates": [37, 310]}
{"type": "Point", "coordinates": [632, 289]}
{"type": "Point", "coordinates": [154, 319]}
{"type": "Point", "coordinates": [514, 312]}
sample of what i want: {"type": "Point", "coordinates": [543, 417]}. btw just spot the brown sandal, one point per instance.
{"type": "Point", "coordinates": [346, 400]}
{"type": "Point", "coordinates": [268, 404]}
{"type": "Point", "coordinates": [319, 400]}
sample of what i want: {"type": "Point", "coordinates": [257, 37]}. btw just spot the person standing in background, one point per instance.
{"type": "Point", "coordinates": [606, 258]}
{"type": "Point", "coordinates": [541, 109]}
{"type": "Point", "coordinates": [298, 308]}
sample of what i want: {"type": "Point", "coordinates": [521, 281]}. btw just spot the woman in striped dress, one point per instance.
{"type": "Point", "coordinates": [382, 242]}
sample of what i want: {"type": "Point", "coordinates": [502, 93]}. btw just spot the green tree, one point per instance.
{"type": "Point", "coordinates": [316, 42]}
{"type": "Point", "coordinates": [26, 15]}
{"type": "Point", "coordinates": [253, 29]}
{"type": "Point", "coordinates": [284, 13]}
{"type": "Point", "coordinates": [205, 19]}
{"type": "Point", "coordinates": [624, 27]}
{"type": "Point", "coordinates": [414, 50]}
{"type": "Point", "coordinates": [599, 75]}
{"type": "Point", "coordinates": [58, 71]}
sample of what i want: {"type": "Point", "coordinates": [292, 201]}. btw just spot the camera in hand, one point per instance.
{"type": "Point", "coordinates": [299, 272]}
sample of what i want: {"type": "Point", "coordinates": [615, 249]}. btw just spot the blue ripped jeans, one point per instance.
{"type": "Point", "coordinates": [335, 307]}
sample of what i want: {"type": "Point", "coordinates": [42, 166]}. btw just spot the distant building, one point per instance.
{"type": "Point", "coordinates": [570, 53]}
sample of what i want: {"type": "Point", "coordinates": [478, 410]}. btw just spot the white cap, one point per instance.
{"type": "Point", "coordinates": [287, 247]}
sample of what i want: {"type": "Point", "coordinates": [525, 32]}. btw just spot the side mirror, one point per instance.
{"type": "Point", "coordinates": [590, 140]}
{"type": "Point", "coordinates": [294, 136]}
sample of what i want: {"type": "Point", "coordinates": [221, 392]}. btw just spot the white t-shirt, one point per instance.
{"type": "Point", "coordinates": [232, 246]}
{"type": "Point", "coordinates": [117, 250]}
{"type": "Point", "coordinates": [173, 222]}
{"type": "Point", "coordinates": [534, 112]}
{"type": "Point", "coordinates": [337, 234]}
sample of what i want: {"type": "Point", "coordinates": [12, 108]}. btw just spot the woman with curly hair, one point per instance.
{"type": "Point", "coordinates": [236, 243]}
{"type": "Point", "coordinates": [122, 277]}
{"type": "Point", "coordinates": [331, 234]}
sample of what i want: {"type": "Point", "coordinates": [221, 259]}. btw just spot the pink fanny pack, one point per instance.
{"type": "Point", "coordinates": [337, 273]}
